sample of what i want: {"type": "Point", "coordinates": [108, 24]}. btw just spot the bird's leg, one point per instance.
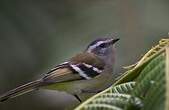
{"type": "Point", "coordinates": [77, 97]}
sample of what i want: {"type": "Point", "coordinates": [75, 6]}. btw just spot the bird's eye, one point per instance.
{"type": "Point", "coordinates": [102, 45]}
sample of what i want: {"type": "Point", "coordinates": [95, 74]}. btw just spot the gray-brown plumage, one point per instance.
{"type": "Point", "coordinates": [82, 72]}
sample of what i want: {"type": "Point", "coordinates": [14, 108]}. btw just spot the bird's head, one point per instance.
{"type": "Point", "coordinates": [104, 49]}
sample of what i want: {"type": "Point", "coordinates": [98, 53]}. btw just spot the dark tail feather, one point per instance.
{"type": "Point", "coordinates": [21, 90]}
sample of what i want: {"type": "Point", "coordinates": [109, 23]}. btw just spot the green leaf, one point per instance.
{"type": "Point", "coordinates": [100, 107]}
{"type": "Point", "coordinates": [146, 79]}
{"type": "Point", "coordinates": [167, 79]}
{"type": "Point", "coordinates": [155, 97]}
{"type": "Point", "coordinates": [123, 88]}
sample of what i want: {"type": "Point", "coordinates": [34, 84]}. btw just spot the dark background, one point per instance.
{"type": "Point", "coordinates": [35, 35]}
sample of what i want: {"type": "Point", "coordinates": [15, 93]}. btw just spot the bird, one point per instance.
{"type": "Point", "coordinates": [89, 71]}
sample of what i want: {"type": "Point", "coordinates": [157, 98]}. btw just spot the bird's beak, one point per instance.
{"type": "Point", "coordinates": [114, 40]}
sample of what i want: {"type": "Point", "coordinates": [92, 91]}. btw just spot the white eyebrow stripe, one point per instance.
{"type": "Point", "coordinates": [97, 44]}
{"type": "Point", "coordinates": [94, 46]}
{"type": "Point", "coordinates": [81, 73]}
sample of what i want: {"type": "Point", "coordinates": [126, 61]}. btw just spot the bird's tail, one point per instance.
{"type": "Point", "coordinates": [21, 90]}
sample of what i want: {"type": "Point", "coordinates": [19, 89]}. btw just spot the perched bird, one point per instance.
{"type": "Point", "coordinates": [87, 72]}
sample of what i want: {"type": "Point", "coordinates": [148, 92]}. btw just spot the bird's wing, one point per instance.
{"type": "Point", "coordinates": [81, 66]}
{"type": "Point", "coordinates": [64, 74]}
{"type": "Point", "coordinates": [62, 65]}
{"type": "Point", "coordinates": [88, 58]}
